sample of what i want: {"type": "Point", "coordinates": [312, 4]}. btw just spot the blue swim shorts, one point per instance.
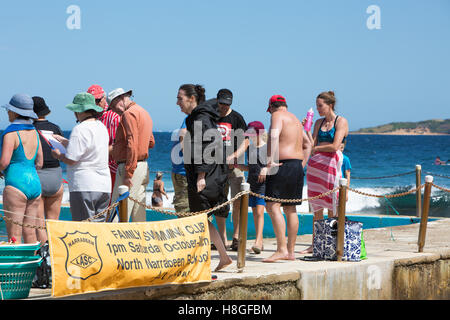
{"type": "Point", "coordinates": [254, 201]}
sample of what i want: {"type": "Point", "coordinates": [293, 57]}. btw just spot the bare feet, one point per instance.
{"type": "Point", "coordinates": [306, 251]}
{"type": "Point", "coordinates": [223, 264]}
{"type": "Point", "coordinates": [279, 256]}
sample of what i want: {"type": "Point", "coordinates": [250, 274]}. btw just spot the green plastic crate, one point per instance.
{"type": "Point", "coordinates": [16, 259]}
{"type": "Point", "coordinates": [16, 278]}
{"type": "Point", "coordinates": [28, 249]}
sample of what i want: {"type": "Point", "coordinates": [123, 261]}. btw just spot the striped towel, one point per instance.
{"type": "Point", "coordinates": [322, 175]}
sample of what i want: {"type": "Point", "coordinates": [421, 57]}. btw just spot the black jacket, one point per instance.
{"type": "Point", "coordinates": [203, 138]}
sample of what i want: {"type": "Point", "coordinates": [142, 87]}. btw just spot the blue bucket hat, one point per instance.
{"type": "Point", "coordinates": [21, 104]}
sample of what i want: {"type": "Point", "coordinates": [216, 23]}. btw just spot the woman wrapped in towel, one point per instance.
{"type": "Point", "coordinates": [324, 166]}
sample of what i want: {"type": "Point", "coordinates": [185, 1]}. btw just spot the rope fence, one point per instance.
{"type": "Point", "coordinates": [384, 177]}
{"type": "Point", "coordinates": [238, 195]}
{"type": "Point", "coordinates": [244, 196]}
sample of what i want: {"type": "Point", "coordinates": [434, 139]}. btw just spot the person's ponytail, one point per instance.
{"type": "Point", "coordinates": [194, 90]}
{"type": "Point", "coordinates": [200, 93]}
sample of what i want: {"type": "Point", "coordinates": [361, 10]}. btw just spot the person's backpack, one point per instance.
{"type": "Point", "coordinates": [43, 277]}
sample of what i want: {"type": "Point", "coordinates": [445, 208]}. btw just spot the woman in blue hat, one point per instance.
{"type": "Point", "coordinates": [21, 155]}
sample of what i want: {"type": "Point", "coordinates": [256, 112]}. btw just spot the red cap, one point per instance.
{"type": "Point", "coordinates": [276, 98]}
{"type": "Point", "coordinates": [96, 91]}
{"type": "Point", "coordinates": [255, 128]}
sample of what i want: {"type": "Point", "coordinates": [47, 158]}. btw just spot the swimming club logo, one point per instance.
{"type": "Point", "coordinates": [83, 259]}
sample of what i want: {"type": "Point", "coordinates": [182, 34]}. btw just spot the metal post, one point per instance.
{"type": "Point", "coordinates": [419, 190]}
{"type": "Point", "coordinates": [341, 219]}
{"type": "Point", "coordinates": [426, 208]}
{"type": "Point", "coordinates": [243, 220]}
{"type": "Point", "coordinates": [123, 206]}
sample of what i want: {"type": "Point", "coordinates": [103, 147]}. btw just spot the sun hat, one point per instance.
{"type": "Point", "coordinates": [97, 91]}
{"type": "Point", "coordinates": [40, 107]}
{"type": "Point", "coordinates": [82, 102]}
{"type": "Point", "coordinates": [275, 98]}
{"type": "Point", "coordinates": [116, 93]}
{"type": "Point", "coordinates": [254, 129]}
{"type": "Point", "coordinates": [22, 104]}
{"type": "Point", "coordinates": [225, 96]}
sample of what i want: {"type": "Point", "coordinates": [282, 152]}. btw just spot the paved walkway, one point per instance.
{"type": "Point", "coordinates": [385, 248]}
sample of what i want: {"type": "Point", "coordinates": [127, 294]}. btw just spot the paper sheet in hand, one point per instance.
{"type": "Point", "coordinates": [55, 143]}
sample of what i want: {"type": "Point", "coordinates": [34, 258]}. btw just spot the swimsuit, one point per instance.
{"type": "Point", "coordinates": [287, 183]}
{"type": "Point", "coordinates": [21, 172]}
{"type": "Point", "coordinates": [51, 180]}
{"type": "Point", "coordinates": [328, 136]}
{"type": "Point", "coordinates": [156, 201]}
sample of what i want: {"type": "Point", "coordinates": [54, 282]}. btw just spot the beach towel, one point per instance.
{"type": "Point", "coordinates": [323, 174]}
{"type": "Point", "coordinates": [16, 125]}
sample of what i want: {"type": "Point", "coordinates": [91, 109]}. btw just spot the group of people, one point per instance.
{"type": "Point", "coordinates": [110, 145]}
{"type": "Point", "coordinates": [107, 148]}
{"type": "Point", "coordinates": [275, 162]}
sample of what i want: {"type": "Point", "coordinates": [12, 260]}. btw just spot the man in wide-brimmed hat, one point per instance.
{"type": "Point", "coordinates": [130, 150]}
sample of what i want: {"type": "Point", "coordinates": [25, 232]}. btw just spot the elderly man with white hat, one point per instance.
{"type": "Point", "coordinates": [134, 137]}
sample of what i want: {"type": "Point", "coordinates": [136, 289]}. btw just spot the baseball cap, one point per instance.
{"type": "Point", "coordinates": [275, 98]}
{"type": "Point", "coordinates": [225, 96]}
{"type": "Point", "coordinates": [254, 129]}
{"type": "Point", "coordinates": [96, 91]}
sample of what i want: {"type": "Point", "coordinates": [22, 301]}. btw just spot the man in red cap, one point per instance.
{"type": "Point", "coordinates": [284, 175]}
{"type": "Point", "coordinates": [110, 119]}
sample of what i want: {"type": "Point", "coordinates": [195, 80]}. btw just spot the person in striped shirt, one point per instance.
{"type": "Point", "coordinates": [110, 119]}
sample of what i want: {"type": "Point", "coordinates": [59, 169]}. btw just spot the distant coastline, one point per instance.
{"type": "Point", "coordinates": [435, 127]}
{"type": "Point", "coordinates": [399, 133]}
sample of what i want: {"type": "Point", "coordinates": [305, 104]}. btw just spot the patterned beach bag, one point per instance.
{"type": "Point", "coordinates": [325, 239]}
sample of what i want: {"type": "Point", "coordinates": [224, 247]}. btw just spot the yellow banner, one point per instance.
{"type": "Point", "coordinates": [91, 257]}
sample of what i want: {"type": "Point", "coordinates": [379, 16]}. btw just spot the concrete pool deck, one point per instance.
{"type": "Point", "coordinates": [394, 270]}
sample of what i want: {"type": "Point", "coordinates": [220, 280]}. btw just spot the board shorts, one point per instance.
{"type": "Point", "coordinates": [256, 201]}
{"type": "Point", "coordinates": [287, 183]}
{"type": "Point", "coordinates": [87, 204]}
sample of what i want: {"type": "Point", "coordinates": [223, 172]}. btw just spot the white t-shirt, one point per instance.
{"type": "Point", "coordinates": [88, 145]}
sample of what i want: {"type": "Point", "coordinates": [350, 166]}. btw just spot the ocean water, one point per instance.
{"type": "Point", "coordinates": [371, 156]}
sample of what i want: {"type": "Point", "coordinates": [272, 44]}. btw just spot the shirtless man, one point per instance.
{"type": "Point", "coordinates": [285, 174]}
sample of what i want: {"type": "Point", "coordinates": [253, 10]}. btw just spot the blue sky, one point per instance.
{"type": "Point", "coordinates": [296, 48]}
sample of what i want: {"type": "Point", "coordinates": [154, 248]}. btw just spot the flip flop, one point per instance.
{"type": "Point", "coordinates": [257, 249]}
{"type": "Point", "coordinates": [310, 258]}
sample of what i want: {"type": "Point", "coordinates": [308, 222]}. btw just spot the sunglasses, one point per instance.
{"type": "Point", "coordinates": [97, 101]}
